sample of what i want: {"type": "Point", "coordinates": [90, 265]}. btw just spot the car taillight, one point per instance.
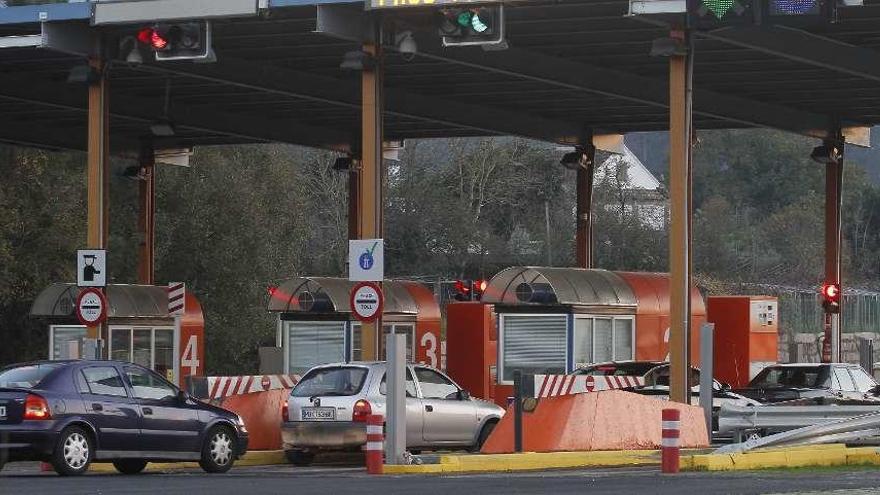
{"type": "Point", "coordinates": [285, 411]}
{"type": "Point", "coordinates": [36, 407]}
{"type": "Point", "coordinates": [361, 410]}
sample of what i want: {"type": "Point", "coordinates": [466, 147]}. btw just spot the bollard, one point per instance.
{"type": "Point", "coordinates": [375, 446]}
{"type": "Point", "coordinates": [670, 441]}
{"type": "Point", "coordinates": [517, 411]}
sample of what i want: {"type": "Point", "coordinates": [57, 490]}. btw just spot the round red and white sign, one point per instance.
{"type": "Point", "coordinates": [91, 307]}
{"type": "Point", "coordinates": [366, 301]}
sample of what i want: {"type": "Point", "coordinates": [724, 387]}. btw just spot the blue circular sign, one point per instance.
{"type": "Point", "coordinates": [366, 260]}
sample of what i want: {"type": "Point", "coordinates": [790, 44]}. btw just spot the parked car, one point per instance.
{"type": "Point", "coordinates": [618, 368]}
{"type": "Point", "coordinates": [71, 413]}
{"type": "Point", "coordinates": [328, 408]}
{"type": "Point", "coordinates": [783, 382]}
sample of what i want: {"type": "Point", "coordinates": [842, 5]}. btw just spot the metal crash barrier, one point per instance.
{"type": "Point", "coordinates": [743, 421]}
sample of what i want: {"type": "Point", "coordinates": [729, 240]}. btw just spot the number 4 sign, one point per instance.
{"type": "Point", "coordinates": [190, 357]}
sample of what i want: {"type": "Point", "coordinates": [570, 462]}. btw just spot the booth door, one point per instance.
{"type": "Point", "coordinates": [355, 350]}
{"type": "Point", "coordinates": [150, 347]}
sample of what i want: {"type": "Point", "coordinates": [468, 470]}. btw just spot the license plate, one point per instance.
{"type": "Point", "coordinates": [2, 413]}
{"type": "Point", "coordinates": [318, 413]}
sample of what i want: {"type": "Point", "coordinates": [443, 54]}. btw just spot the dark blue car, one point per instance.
{"type": "Point", "coordinates": [70, 413]}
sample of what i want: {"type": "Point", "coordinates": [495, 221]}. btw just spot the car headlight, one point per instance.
{"type": "Point", "coordinates": [240, 423]}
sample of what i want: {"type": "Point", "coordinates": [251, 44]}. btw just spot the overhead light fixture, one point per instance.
{"type": "Point", "coordinates": [343, 163]}
{"type": "Point", "coordinates": [668, 47]}
{"type": "Point", "coordinates": [357, 60]}
{"type": "Point", "coordinates": [133, 55]}
{"type": "Point", "coordinates": [162, 128]}
{"type": "Point", "coordinates": [83, 74]}
{"type": "Point", "coordinates": [577, 159]}
{"type": "Point", "coordinates": [406, 45]}
{"type": "Point", "coordinates": [827, 154]}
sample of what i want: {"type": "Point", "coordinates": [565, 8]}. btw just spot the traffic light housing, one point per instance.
{"type": "Point", "coordinates": [472, 25]}
{"type": "Point", "coordinates": [710, 14]}
{"type": "Point", "coordinates": [831, 298]}
{"type": "Point", "coordinates": [470, 290]}
{"type": "Point", "coordinates": [190, 40]}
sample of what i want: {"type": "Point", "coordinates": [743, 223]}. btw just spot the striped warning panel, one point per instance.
{"type": "Point", "coordinates": [176, 299]}
{"type": "Point", "coordinates": [556, 385]}
{"type": "Point", "coordinates": [227, 386]}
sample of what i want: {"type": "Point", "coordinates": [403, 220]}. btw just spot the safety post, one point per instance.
{"type": "Point", "coordinates": [375, 443]}
{"type": "Point", "coordinates": [707, 371]}
{"type": "Point", "coordinates": [517, 411]}
{"type": "Point", "coordinates": [670, 442]}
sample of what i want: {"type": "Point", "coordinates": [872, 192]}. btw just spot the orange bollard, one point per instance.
{"type": "Point", "coordinates": [670, 443]}
{"type": "Point", "coordinates": [375, 443]}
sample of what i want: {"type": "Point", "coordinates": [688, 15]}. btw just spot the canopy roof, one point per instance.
{"type": "Point", "coordinates": [571, 65]}
{"type": "Point", "coordinates": [535, 286]}
{"type": "Point", "coordinates": [125, 301]}
{"type": "Point", "coordinates": [332, 295]}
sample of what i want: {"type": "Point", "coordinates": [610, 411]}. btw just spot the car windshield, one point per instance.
{"type": "Point", "coordinates": [344, 380]}
{"type": "Point", "coordinates": [26, 376]}
{"type": "Point", "coordinates": [789, 377]}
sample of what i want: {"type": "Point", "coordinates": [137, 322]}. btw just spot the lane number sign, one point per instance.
{"type": "Point", "coordinates": [91, 307]}
{"type": "Point", "coordinates": [366, 301]}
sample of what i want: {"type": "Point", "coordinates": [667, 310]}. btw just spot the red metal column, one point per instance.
{"type": "Point", "coordinates": [584, 233]}
{"type": "Point", "coordinates": [833, 198]}
{"type": "Point", "coordinates": [98, 180]}
{"type": "Point", "coordinates": [147, 215]}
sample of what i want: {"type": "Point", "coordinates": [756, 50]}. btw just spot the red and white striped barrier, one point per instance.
{"type": "Point", "coordinates": [227, 386]}
{"type": "Point", "coordinates": [670, 441]}
{"type": "Point", "coordinates": [556, 385]}
{"type": "Point", "coordinates": [375, 443]}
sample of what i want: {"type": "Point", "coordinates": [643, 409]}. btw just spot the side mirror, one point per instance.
{"type": "Point", "coordinates": [182, 396]}
{"type": "Point", "coordinates": [464, 395]}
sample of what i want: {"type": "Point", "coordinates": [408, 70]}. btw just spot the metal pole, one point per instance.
{"type": "Point", "coordinates": [707, 372]}
{"type": "Point", "coordinates": [517, 411]}
{"type": "Point", "coordinates": [98, 180]}
{"type": "Point", "coordinates": [584, 233]}
{"type": "Point", "coordinates": [147, 215]}
{"type": "Point", "coordinates": [395, 439]}
{"type": "Point", "coordinates": [371, 187]}
{"type": "Point", "coordinates": [833, 199]}
{"type": "Point", "coordinates": [679, 234]}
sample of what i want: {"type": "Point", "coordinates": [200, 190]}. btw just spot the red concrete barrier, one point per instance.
{"type": "Point", "coordinates": [261, 413]}
{"type": "Point", "coordinates": [607, 420]}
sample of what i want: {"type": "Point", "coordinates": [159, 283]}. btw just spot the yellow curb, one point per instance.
{"type": "Point", "coordinates": [412, 469]}
{"type": "Point", "coordinates": [529, 461]}
{"type": "Point", "coordinates": [252, 458]}
{"type": "Point", "coordinates": [784, 458]}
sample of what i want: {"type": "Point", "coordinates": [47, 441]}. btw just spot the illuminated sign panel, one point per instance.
{"type": "Point", "coordinates": [384, 4]}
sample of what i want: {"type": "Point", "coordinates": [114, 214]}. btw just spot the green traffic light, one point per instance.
{"type": "Point", "coordinates": [477, 24]}
{"type": "Point", "coordinates": [718, 7]}
{"type": "Point", "coordinates": [464, 18]}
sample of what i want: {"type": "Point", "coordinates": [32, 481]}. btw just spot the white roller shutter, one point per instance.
{"type": "Point", "coordinates": [533, 344]}
{"type": "Point", "coordinates": [310, 343]}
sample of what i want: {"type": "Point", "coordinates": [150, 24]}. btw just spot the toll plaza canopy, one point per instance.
{"type": "Point", "coordinates": [124, 301]}
{"type": "Point", "coordinates": [570, 66]}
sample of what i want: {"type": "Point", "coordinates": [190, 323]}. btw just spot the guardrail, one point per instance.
{"type": "Point", "coordinates": [742, 421]}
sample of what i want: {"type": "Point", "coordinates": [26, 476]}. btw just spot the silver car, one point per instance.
{"type": "Point", "coordinates": [328, 408]}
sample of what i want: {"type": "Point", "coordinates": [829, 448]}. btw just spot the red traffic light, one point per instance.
{"type": "Point", "coordinates": [831, 292]}
{"type": "Point", "coordinates": [153, 38]}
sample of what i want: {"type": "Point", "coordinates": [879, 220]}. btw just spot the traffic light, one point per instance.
{"type": "Point", "coordinates": [189, 40]}
{"type": "Point", "coordinates": [710, 14]}
{"type": "Point", "coordinates": [831, 298]}
{"type": "Point", "coordinates": [475, 25]}
{"type": "Point", "coordinates": [470, 290]}
{"type": "Point", "coordinates": [800, 12]}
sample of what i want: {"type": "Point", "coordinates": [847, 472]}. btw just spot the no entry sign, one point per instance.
{"type": "Point", "coordinates": [366, 301]}
{"type": "Point", "coordinates": [91, 307]}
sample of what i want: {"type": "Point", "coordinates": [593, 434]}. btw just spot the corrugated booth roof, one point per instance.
{"type": "Point", "coordinates": [125, 301]}
{"type": "Point", "coordinates": [332, 295]}
{"type": "Point", "coordinates": [527, 285]}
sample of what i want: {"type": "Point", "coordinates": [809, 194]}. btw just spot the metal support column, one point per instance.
{"type": "Point", "coordinates": [584, 233]}
{"type": "Point", "coordinates": [147, 215]}
{"type": "Point", "coordinates": [680, 124]}
{"type": "Point", "coordinates": [395, 441]}
{"type": "Point", "coordinates": [370, 195]}
{"type": "Point", "coordinates": [98, 181]}
{"type": "Point", "coordinates": [833, 199]}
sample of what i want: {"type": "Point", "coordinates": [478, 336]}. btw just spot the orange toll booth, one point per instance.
{"type": "Point", "coordinates": [316, 324]}
{"type": "Point", "coordinates": [140, 330]}
{"type": "Point", "coordinates": [746, 336]}
{"type": "Point", "coordinates": [547, 320]}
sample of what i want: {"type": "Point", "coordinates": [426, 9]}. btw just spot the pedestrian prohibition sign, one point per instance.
{"type": "Point", "coordinates": [91, 307]}
{"type": "Point", "coordinates": [366, 301]}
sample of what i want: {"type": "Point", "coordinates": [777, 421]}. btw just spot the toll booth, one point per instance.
{"type": "Point", "coordinates": [746, 338]}
{"type": "Point", "coordinates": [140, 330]}
{"type": "Point", "coordinates": [316, 324]}
{"type": "Point", "coordinates": [544, 320]}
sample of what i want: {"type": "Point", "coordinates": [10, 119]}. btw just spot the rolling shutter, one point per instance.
{"type": "Point", "coordinates": [533, 344]}
{"type": "Point", "coordinates": [310, 343]}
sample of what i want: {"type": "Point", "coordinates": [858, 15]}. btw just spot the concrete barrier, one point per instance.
{"type": "Point", "coordinates": [607, 420]}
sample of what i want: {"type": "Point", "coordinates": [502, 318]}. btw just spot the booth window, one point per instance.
{"type": "Point", "coordinates": [601, 339]}
{"type": "Point", "coordinates": [149, 347]}
{"type": "Point", "coordinates": [310, 343]}
{"type": "Point", "coordinates": [532, 344]}
{"type": "Point", "coordinates": [66, 342]}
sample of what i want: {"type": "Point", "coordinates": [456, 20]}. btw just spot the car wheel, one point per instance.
{"type": "Point", "coordinates": [218, 452]}
{"type": "Point", "coordinates": [130, 466]}
{"type": "Point", "coordinates": [299, 457]}
{"type": "Point", "coordinates": [73, 452]}
{"type": "Point", "coordinates": [484, 435]}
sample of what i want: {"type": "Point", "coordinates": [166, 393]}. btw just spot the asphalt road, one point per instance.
{"type": "Point", "coordinates": [332, 480]}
